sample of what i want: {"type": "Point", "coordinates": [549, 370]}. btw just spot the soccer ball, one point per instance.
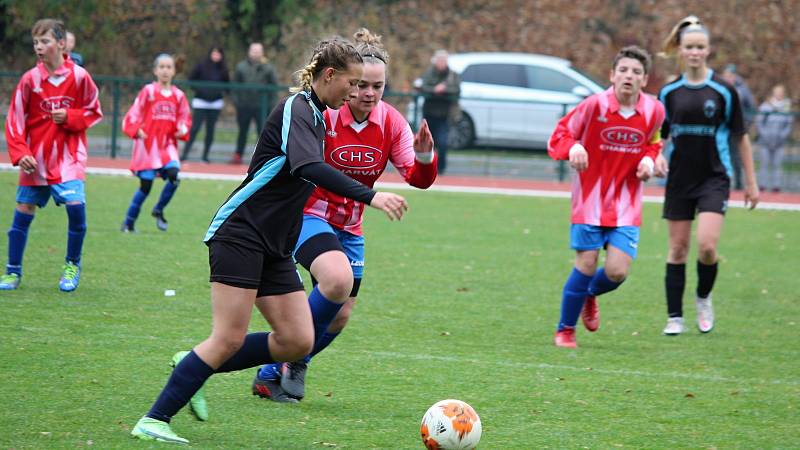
{"type": "Point", "coordinates": [450, 425]}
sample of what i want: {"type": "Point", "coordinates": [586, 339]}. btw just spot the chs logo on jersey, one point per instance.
{"type": "Point", "coordinates": [622, 139]}
{"type": "Point", "coordinates": [356, 156]}
{"type": "Point", "coordinates": [51, 104]}
{"type": "Point", "coordinates": [164, 111]}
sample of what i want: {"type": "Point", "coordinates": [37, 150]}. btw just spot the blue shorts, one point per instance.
{"type": "Point", "coordinates": [162, 172]}
{"type": "Point", "coordinates": [352, 245]}
{"type": "Point", "coordinates": [68, 191]}
{"type": "Point", "coordinates": [593, 237]}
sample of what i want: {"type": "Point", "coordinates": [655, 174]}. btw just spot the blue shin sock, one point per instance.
{"type": "Point", "coordinates": [323, 311]}
{"type": "Point", "coordinates": [601, 283]}
{"type": "Point", "coordinates": [187, 378]}
{"type": "Point", "coordinates": [253, 353]}
{"type": "Point", "coordinates": [574, 293]}
{"type": "Point", "coordinates": [323, 341]}
{"type": "Point", "coordinates": [166, 195]}
{"type": "Point", "coordinates": [136, 206]}
{"type": "Point", "coordinates": [17, 237]}
{"type": "Point", "coordinates": [77, 231]}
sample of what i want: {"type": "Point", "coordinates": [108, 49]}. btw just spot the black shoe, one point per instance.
{"type": "Point", "coordinates": [272, 390]}
{"type": "Point", "coordinates": [125, 228]}
{"type": "Point", "coordinates": [293, 378]}
{"type": "Point", "coordinates": [161, 222]}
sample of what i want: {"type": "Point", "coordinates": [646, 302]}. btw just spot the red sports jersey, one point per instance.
{"type": "Point", "coordinates": [608, 193]}
{"type": "Point", "coordinates": [59, 149]}
{"type": "Point", "coordinates": [363, 156]}
{"type": "Point", "coordinates": [160, 117]}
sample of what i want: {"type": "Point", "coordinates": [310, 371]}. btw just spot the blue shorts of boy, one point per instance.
{"type": "Point", "coordinates": [66, 192]}
{"type": "Point", "coordinates": [592, 237]}
{"type": "Point", "coordinates": [353, 245]}
{"type": "Point", "coordinates": [162, 172]}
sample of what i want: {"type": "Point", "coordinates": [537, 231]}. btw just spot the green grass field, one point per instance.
{"type": "Point", "coordinates": [460, 301]}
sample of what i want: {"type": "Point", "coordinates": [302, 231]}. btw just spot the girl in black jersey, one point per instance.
{"type": "Point", "coordinates": [702, 111]}
{"type": "Point", "coordinates": [252, 236]}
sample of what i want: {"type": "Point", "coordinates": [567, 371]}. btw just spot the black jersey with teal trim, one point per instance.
{"type": "Point", "coordinates": [266, 210]}
{"type": "Point", "coordinates": [700, 118]}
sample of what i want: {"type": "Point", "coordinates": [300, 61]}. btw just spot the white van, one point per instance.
{"type": "Point", "coordinates": [512, 99]}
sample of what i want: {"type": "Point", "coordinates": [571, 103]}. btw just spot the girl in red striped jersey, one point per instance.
{"type": "Point", "coordinates": [159, 116]}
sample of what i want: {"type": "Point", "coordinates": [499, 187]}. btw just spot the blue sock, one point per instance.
{"type": "Point", "coordinates": [254, 352]}
{"type": "Point", "coordinates": [187, 378]}
{"type": "Point", "coordinates": [17, 237]}
{"type": "Point", "coordinates": [77, 231]}
{"type": "Point", "coordinates": [136, 205]}
{"type": "Point", "coordinates": [601, 283]}
{"type": "Point", "coordinates": [573, 296]}
{"type": "Point", "coordinates": [166, 195]}
{"type": "Point", "coordinates": [323, 341]}
{"type": "Point", "coordinates": [323, 311]}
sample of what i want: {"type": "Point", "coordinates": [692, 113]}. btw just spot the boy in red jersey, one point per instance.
{"type": "Point", "coordinates": [51, 108]}
{"type": "Point", "coordinates": [612, 139]}
{"type": "Point", "coordinates": [159, 116]}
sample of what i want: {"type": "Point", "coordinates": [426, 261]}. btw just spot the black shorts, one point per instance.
{"type": "Point", "coordinates": [712, 196]}
{"type": "Point", "coordinates": [244, 267]}
{"type": "Point", "coordinates": [317, 245]}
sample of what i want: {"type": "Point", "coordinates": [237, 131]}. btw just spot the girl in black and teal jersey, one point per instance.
{"type": "Point", "coordinates": [702, 112]}
{"type": "Point", "coordinates": [253, 233]}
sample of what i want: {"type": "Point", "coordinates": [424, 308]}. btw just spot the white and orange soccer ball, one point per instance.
{"type": "Point", "coordinates": [450, 425]}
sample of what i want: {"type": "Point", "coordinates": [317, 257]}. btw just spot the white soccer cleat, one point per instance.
{"type": "Point", "coordinates": [705, 314]}
{"type": "Point", "coordinates": [674, 326]}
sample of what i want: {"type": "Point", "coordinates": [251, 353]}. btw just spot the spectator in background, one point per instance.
{"type": "Point", "coordinates": [748, 110]}
{"type": "Point", "coordinates": [774, 125]}
{"type": "Point", "coordinates": [207, 102]}
{"type": "Point", "coordinates": [76, 57]}
{"type": "Point", "coordinates": [441, 87]}
{"type": "Point", "coordinates": [252, 70]}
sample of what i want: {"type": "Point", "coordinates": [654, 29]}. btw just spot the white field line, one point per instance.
{"type": "Point", "coordinates": [440, 188]}
{"type": "Point", "coordinates": [623, 372]}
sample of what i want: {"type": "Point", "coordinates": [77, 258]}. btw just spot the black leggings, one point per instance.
{"type": "Point", "coordinates": [199, 115]}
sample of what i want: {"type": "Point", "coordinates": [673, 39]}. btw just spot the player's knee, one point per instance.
{"type": "Point", "coordinates": [27, 208]}
{"type": "Point", "coordinates": [172, 175]}
{"type": "Point", "coordinates": [616, 274]}
{"type": "Point", "coordinates": [228, 343]}
{"type": "Point", "coordinates": [707, 253]}
{"type": "Point", "coordinates": [337, 284]}
{"type": "Point", "coordinates": [678, 251]}
{"type": "Point", "coordinates": [145, 186]}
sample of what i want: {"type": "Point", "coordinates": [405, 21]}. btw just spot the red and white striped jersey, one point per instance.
{"type": "Point", "coordinates": [362, 152]}
{"type": "Point", "coordinates": [59, 149]}
{"type": "Point", "coordinates": [608, 193]}
{"type": "Point", "coordinates": [160, 117]}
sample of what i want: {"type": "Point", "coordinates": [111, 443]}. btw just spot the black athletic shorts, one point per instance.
{"type": "Point", "coordinates": [712, 196]}
{"type": "Point", "coordinates": [244, 267]}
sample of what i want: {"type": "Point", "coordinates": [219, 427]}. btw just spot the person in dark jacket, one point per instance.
{"type": "Point", "coordinates": [441, 87]}
{"type": "Point", "coordinates": [252, 70]}
{"type": "Point", "coordinates": [207, 102]}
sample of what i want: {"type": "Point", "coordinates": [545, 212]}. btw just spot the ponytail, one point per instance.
{"type": "Point", "coordinates": [335, 52]}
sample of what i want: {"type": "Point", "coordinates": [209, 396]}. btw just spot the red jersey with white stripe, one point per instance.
{"type": "Point", "coordinates": [608, 193]}
{"type": "Point", "coordinates": [160, 116]}
{"type": "Point", "coordinates": [362, 154]}
{"type": "Point", "coordinates": [59, 149]}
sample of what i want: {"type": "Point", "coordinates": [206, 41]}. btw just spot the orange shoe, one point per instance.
{"type": "Point", "coordinates": [566, 338]}
{"type": "Point", "coordinates": [236, 159]}
{"type": "Point", "coordinates": [590, 314]}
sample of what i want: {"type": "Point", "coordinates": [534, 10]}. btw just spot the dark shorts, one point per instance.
{"type": "Point", "coordinates": [243, 267]}
{"type": "Point", "coordinates": [712, 196]}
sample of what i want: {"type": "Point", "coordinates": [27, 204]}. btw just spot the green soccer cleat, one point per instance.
{"type": "Point", "coordinates": [197, 404]}
{"type": "Point", "coordinates": [70, 278]}
{"type": "Point", "coordinates": [155, 430]}
{"type": "Point", "coordinates": [9, 281]}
